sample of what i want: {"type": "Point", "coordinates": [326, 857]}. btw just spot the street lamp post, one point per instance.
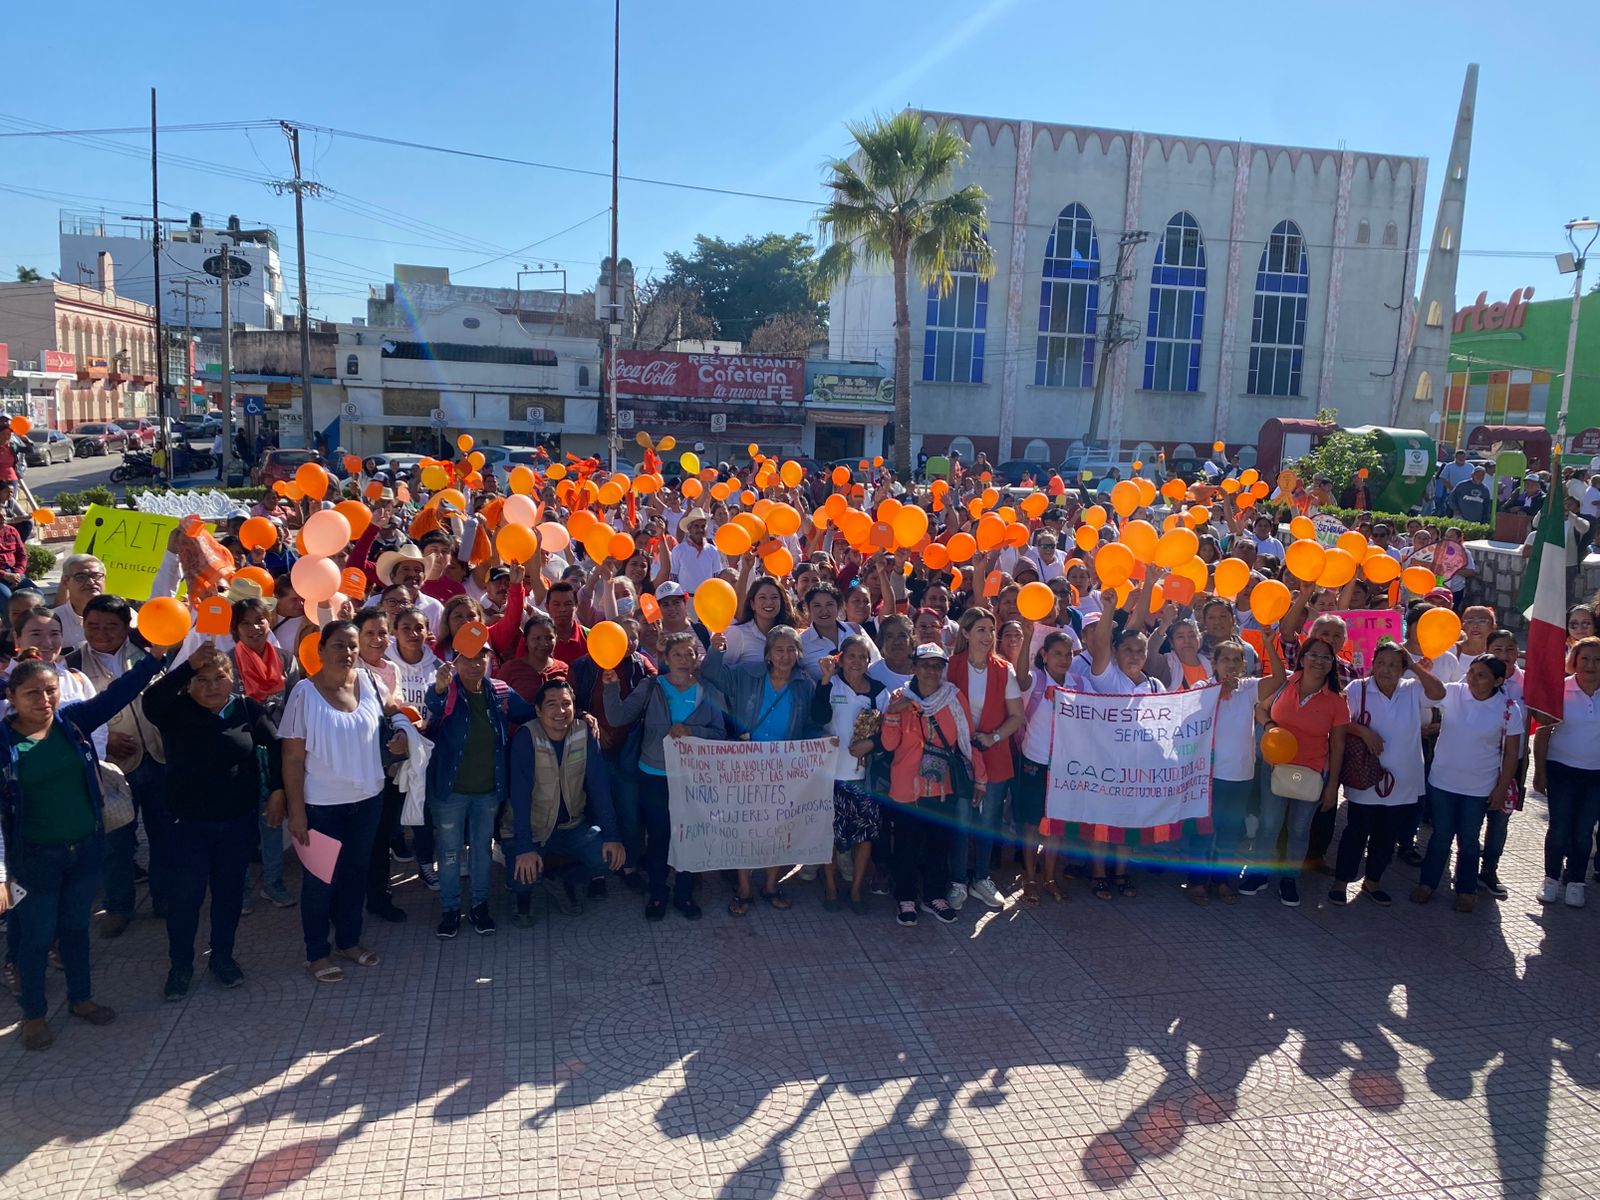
{"type": "Point", "coordinates": [1573, 264]}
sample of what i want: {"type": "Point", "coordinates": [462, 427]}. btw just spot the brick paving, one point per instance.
{"type": "Point", "coordinates": [1140, 1048]}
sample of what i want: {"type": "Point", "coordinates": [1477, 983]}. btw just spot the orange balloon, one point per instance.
{"type": "Point", "coordinates": [357, 513]}
{"type": "Point", "coordinates": [1419, 580]}
{"type": "Point", "coordinates": [1195, 571]}
{"type": "Point", "coordinates": [962, 547]}
{"type": "Point", "coordinates": [1140, 537]}
{"type": "Point", "coordinates": [20, 425]}
{"type": "Point", "coordinates": [580, 522]}
{"type": "Point", "coordinates": [608, 645]}
{"type": "Point", "coordinates": [1437, 631]}
{"type": "Point", "coordinates": [163, 621]}
{"type": "Point", "coordinates": [841, 476]}
{"type": "Point", "coordinates": [783, 520]}
{"type": "Point", "coordinates": [779, 562]}
{"type": "Point", "coordinates": [1016, 536]}
{"type": "Point", "coordinates": [1094, 516]}
{"type": "Point", "coordinates": [692, 489]}
{"type": "Point", "coordinates": [1147, 491]}
{"type": "Point", "coordinates": [910, 525]}
{"type": "Point", "coordinates": [991, 529]}
{"type": "Point", "coordinates": [621, 547]}
{"type": "Point", "coordinates": [352, 464]}
{"type": "Point", "coordinates": [262, 578]}
{"type": "Point", "coordinates": [1124, 497]}
{"type": "Point", "coordinates": [1269, 600]}
{"type": "Point", "coordinates": [1176, 546]}
{"type": "Point", "coordinates": [258, 533]}
{"type": "Point", "coordinates": [1229, 577]}
{"type": "Point", "coordinates": [1113, 564]}
{"type": "Point", "coordinates": [556, 471]}
{"type": "Point", "coordinates": [732, 540]}
{"type": "Point", "coordinates": [1085, 537]}
{"type": "Point", "coordinates": [1305, 560]}
{"type": "Point", "coordinates": [1380, 567]}
{"type": "Point", "coordinates": [1279, 746]}
{"type": "Point", "coordinates": [1353, 544]}
{"type": "Point", "coordinates": [309, 654]}
{"type": "Point", "coordinates": [516, 543]}
{"type": "Point", "coordinates": [313, 480]}
{"type": "Point", "coordinates": [597, 541]}
{"type": "Point", "coordinates": [1036, 601]}
{"type": "Point", "coordinates": [1035, 505]}
{"type": "Point", "coordinates": [610, 494]}
{"type": "Point", "coordinates": [1339, 568]}
{"type": "Point", "coordinates": [715, 604]}
{"type": "Point", "coordinates": [791, 473]}
{"type": "Point", "coordinates": [464, 442]}
{"type": "Point", "coordinates": [1301, 527]}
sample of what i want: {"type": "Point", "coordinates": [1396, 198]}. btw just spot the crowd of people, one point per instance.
{"type": "Point", "coordinates": [471, 690]}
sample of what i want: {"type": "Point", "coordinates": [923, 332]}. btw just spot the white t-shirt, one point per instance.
{"type": "Point", "coordinates": [1038, 715]}
{"type": "Point", "coordinates": [1398, 721]}
{"type": "Point", "coordinates": [1233, 756]}
{"type": "Point", "coordinates": [1466, 759]}
{"type": "Point", "coordinates": [844, 704]}
{"type": "Point", "coordinates": [414, 679]}
{"type": "Point", "coordinates": [1576, 741]}
{"type": "Point", "coordinates": [343, 762]}
{"type": "Point", "coordinates": [814, 648]}
{"type": "Point", "coordinates": [978, 688]}
{"type": "Point", "coordinates": [879, 670]}
{"type": "Point", "coordinates": [1113, 682]}
{"type": "Point", "coordinates": [1447, 667]}
{"type": "Point", "coordinates": [691, 567]}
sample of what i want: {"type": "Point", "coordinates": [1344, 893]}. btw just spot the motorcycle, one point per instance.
{"type": "Point", "coordinates": [134, 465]}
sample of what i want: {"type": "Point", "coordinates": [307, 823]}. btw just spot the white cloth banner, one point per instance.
{"type": "Point", "coordinates": [750, 804]}
{"type": "Point", "coordinates": [1132, 762]}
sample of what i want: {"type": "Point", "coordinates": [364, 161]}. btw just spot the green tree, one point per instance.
{"type": "Point", "coordinates": [1340, 456]}
{"type": "Point", "coordinates": [27, 274]}
{"type": "Point", "coordinates": [892, 204]}
{"type": "Point", "coordinates": [743, 284]}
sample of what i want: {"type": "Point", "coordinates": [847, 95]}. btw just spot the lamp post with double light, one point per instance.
{"type": "Point", "coordinates": [1585, 231]}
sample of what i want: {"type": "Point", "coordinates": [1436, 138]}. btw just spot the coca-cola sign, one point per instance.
{"type": "Point", "coordinates": [739, 377]}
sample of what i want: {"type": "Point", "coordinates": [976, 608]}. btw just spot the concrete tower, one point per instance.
{"type": "Point", "coordinates": [1419, 391]}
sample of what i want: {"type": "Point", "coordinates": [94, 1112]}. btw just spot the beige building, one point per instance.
{"type": "Point", "coordinates": [82, 352]}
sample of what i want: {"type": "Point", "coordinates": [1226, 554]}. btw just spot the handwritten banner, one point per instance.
{"type": "Point", "coordinates": [1135, 766]}
{"type": "Point", "coordinates": [131, 544]}
{"type": "Point", "coordinates": [750, 804]}
{"type": "Point", "coordinates": [1365, 628]}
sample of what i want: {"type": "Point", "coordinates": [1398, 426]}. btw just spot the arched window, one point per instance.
{"type": "Point", "coordinates": [1145, 453]}
{"type": "Point", "coordinates": [1069, 302]}
{"type": "Point", "coordinates": [1424, 387]}
{"type": "Point", "coordinates": [583, 376]}
{"type": "Point", "coordinates": [952, 341]}
{"type": "Point", "coordinates": [963, 447]}
{"type": "Point", "coordinates": [1391, 234]}
{"type": "Point", "coordinates": [1177, 309]}
{"type": "Point", "coordinates": [1363, 232]}
{"type": "Point", "coordinates": [1278, 327]}
{"type": "Point", "coordinates": [1036, 451]}
{"type": "Point", "coordinates": [352, 365]}
{"type": "Point", "coordinates": [1435, 314]}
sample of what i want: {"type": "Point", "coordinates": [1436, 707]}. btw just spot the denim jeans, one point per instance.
{"type": "Point", "coordinates": [271, 841]}
{"type": "Point", "coordinates": [977, 829]}
{"type": "Point", "coordinates": [1369, 833]}
{"type": "Point", "coordinates": [1275, 809]}
{"type": "Point", "coordinates": [378, 866]}
{"type": "Point", "coordinates": [456, 815]}
{"type": "Point", "coordinates": [148, 784]}
{"type": "Point", "coordinates": [214, 855]}
{"type": "Point", "coordinates": [581, 842]}
{"type": "Point", "coordinates": [61, 882]}
{"type": "Point", "coordinates": [1456, 819]}
{"type": "Point", "coordinates": [353, 826]}
{"type": "Point", "coordinates": [623, 775]}
{"type": "Point", "coordinates": [1496, 828]}
{"type": "Point", "coordinates": [657, 820]}
{"type": "Point", "coordinates": [1230, 805]}
{"type": "Point", "coordinates": [1574, 809]}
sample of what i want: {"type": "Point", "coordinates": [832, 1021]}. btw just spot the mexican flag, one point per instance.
{"type": "Point", "coordinates": [1544, 603]}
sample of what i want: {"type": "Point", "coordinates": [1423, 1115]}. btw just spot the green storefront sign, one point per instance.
{"type": "Point", "coordinates": [1506, 363]}
{"type": "Point", "coordinates": [868, 391]}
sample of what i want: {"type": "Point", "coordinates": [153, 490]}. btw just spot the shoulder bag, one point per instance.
{"type": "Point", "coordinates": [1291, 780]}
{"type": "Point", "coordinates": [116, 797]}
{"type": "Point", "coordinates": [1361, 769]}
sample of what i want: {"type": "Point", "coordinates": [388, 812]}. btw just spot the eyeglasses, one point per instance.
{"type": "Point", "coordinates": [87, 577]}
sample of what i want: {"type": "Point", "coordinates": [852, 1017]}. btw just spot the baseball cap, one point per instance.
{"type": "Point", "coordinates": [669, 589]}
{"type": "Point", "coordinates": [929, 651]}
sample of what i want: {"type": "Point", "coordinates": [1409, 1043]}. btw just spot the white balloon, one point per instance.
{"type": "Point", "coordinates": [520, 510]}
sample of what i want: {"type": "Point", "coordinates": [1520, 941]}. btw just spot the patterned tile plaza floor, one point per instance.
{"type": "Point", "coordinates": [1139, 1048]}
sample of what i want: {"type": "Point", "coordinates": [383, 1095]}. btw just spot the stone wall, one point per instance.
{"type": "Point", "coordinates": [1499, 582]}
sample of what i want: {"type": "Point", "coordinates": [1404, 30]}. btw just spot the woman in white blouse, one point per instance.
{"type": "Point", "coordinates": [333, 780]}
{"type": "Point", "coordinates": [1566, 767]}
{"type": "Point", "coordinates": [1502, 643]}
{"type": "Point", "coordinates": [1233, 767]}
{"type": "Point", "coordinates": [1480, 732]}
{"type": "Point", "coordinates": [1386, 715]}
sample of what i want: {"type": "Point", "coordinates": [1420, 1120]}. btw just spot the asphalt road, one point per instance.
{"type": "Point", "coordinates": [81, 473]}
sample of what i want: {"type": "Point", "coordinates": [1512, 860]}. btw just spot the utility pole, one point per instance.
{"type": "Point", "coordinates": [1573, 262]}
{"type": "Point", "coordinates": [300, 187]}
{"type": "Point", "coordinates": [613, 314]}
{"type": "Point", "coordinates": [188, 336]}
{"type": "Point", "coordinates": [163, 399]}
{"type": "Point", "coordinates": [1115, 335]}
{"type": "Point", "coordinates": [227, 359]}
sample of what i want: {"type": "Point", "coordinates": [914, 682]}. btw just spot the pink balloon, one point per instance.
{"type": "Point", "coordinates": [326, 533]}
{"type": "Point", "coordinates": [315, 579]}
{"type": "Point", "coordinates": [554, 537]}
{"type": "Point", "coordinates": [520, 510]}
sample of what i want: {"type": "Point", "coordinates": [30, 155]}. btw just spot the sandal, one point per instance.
{"type": "Point", "coordinates": [92, 1013]}
{"type": "Point", "coordinates": [1125, 886]}
{"type": "Point", "coordinates": [1030, 893]}
{"type": "Point", "coordinates": [325, 970]}
{"type": "Point", "coordinates": [777, 899]}
{"type": "Point", "coordinates": [1054, 889]}
{"type": "Point", "coordinates": [360, 955]}
{"type": "Point", "coordinates": [1101, 888]}
{"type": "Point", "coordinates": [739, 906]}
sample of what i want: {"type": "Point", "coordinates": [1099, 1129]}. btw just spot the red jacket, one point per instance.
{"type": "Point", "coordinates": [13, 554]}
{"type": "Point", "coordinates": [997, 758]}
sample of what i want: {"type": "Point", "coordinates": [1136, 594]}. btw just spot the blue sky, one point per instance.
{"type": "Point", "coordinates": [749, 97]}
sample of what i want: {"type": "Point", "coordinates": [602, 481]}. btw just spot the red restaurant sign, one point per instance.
{"type": "Point", "coordinates": [59, 362]}
{"type": "Point", "coordinates": [745, 377]}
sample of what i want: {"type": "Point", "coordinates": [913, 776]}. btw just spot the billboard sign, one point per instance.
{"type": "Point", "coordinates": [58, 362]}
{"type": "Point", "coordinates": [747, 377]}
{"type": "Point", "coordinates": [867, 391]}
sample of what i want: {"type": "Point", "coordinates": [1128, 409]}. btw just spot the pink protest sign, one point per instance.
{"type": "Point", "coordinates": [1365, 628]}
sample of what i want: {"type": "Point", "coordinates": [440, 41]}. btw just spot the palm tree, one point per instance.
{"type": "Point", "coordinates": [28, 275]}
{"type": "Point", "coordinates": [892, 204]}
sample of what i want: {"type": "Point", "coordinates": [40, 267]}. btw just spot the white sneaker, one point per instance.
{"type": "Point", "coordinates": [1549, 892]}
{"type": "Point", "coordinates": [1574, 895]}
{"type": "Point", "coordinates": [957, 896]}
{"type": "Point", "coordinates": [985, 890]}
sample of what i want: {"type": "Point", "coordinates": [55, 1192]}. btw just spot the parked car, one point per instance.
{"type": "Point", "coordinates": [98, 438]}
{"type": "Point", "coordinates": [1011, 473]}
{"type": "Point", "coordinates": [46, 446]}
{"type": "Point", "coordinates": [141, 433]}
{"type": "Point", "coordinates": [280, 465]}
{"type": "Point", "coordinates": [201, 430]}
